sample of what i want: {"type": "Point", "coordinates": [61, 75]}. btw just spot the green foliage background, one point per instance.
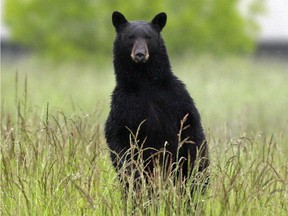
{"type": "Point", "coordinates": [82, 29]}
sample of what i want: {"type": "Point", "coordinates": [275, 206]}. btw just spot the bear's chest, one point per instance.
{"type": "Point", "coordinates": [156, 108]}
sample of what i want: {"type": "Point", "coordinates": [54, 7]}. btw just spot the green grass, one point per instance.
{"type": "Point", "coordinates": [54, 159]}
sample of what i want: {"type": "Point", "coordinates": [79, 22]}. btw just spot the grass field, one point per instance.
{"type": "Point", "coordinates": [54, 159]}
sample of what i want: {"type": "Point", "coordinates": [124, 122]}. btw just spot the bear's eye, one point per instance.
{"type": "Point", "coordinates": [131, 37]}
{"type": "Point", "coordinates": [147, 37]}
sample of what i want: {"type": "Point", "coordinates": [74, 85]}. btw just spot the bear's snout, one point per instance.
{"type": "Point", "coordinates": [140, 53]}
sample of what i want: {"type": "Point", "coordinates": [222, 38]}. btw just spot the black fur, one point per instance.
{"type": "Point", "coordinates": [150, 92]}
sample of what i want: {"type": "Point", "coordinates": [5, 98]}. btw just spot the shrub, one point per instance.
{"type": "Point", "coordinates": [81, 29]}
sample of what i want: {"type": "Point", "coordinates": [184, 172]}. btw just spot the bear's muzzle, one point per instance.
{"type": "Point", "coordinates": [140, 53]}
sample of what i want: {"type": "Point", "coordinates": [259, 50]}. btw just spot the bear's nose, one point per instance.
{"type": "Point", "coordinates": [139, 57]}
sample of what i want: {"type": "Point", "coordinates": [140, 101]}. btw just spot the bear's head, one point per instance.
{"type": "Point", "coordinates": [138, 39]}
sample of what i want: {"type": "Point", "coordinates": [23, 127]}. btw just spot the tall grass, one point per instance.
{"type": "Point", "coordinates": [54, 159]}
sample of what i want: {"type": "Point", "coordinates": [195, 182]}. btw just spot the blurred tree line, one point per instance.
{"type": "Point", "coordinates": [83, 29]}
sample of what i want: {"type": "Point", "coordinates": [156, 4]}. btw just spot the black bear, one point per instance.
{"type": "Point", "coordinates": [150, 101]}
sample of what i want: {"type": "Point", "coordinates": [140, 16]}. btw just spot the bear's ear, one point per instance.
{"type": "Point", "coordinates": [118, 20]}
{"type": "Point", "coordinates": [160, 20]}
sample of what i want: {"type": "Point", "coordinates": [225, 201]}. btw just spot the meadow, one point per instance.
{"type": "Point", "coordinates": [54, 159]}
